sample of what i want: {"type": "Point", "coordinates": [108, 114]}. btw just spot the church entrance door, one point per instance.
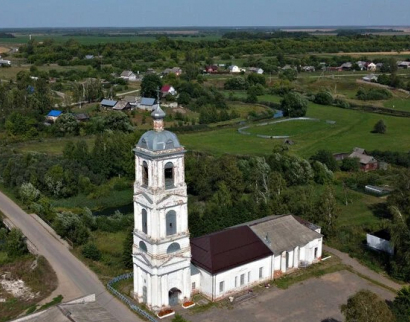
{"type": "Point", "coordinates": [173, 295]}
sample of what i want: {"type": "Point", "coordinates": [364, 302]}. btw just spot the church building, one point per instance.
{"type": "Point", "coordinates": [169, 266]}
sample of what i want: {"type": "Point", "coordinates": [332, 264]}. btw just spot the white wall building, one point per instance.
{"type": "Point", "coordinates": [161, 252]}
{"type": "Point", "coordinates": [222, 263]}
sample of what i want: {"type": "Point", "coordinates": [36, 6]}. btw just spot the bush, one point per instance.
{"type": "Point", "coordinates": [323, 98]}
{"type": "Point", "coordinates": [341, 103]}
{"type": "Point", "coordinates": [373, 94]}
{"type": "Point", "coordinates": [91, 251]}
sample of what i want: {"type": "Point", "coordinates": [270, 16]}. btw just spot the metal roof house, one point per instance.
{"type": "Point", "coordinates": [146, 103]}
{"type": "Point", "coordinates": [106, 103]}
{"type": "Point", "coordinates": [53, 115]}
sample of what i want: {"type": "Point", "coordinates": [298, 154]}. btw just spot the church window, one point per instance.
{"type": "Point", "coordinates": [174, 247]}
{"type": "Point", "coordinates": [249, 277]}
{"type": "Point", "coordinates": [144, 221]}
{"type": "Point", "coordinates": [143, 247]}
{"type": "Point", "coordinates": [171, 222]}
{"type": "Point", "coordinates": [236, 281]}
{"type": "Point", "coordinates": [145, 173]}
{"type": "Point", "coordinates": [242, 279]}
{"type": "Point", "coordinates": [193, 286]}
{"type": "Point", "coordinates": [260, 272]}
{"type": "Point", "coordinates": [169, 145]}
{"type": "Point", "coordinates": [221, 286]}
{"type": "Point", "coordinates": [169, 175]}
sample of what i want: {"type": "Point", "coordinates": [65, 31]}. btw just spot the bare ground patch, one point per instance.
{"type": "Point", "coordinates": [4, 49]}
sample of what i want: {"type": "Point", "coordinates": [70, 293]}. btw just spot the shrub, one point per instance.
{"type": "Point", "coordinates": [91, 251]}
{"type": "Point", "coordinates": [294, 105]}
{"type": "Point", "coordinates": [380, 127]}
{"type": "Point", "coordinates": [373, 94]}
{"type": "Point", "coordinates": [323, 98]}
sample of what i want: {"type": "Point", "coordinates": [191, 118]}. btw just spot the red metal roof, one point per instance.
{"type": "Point", "coordinates": [165, 88]}
{"type": "Point", "coordinates": [227, 249]}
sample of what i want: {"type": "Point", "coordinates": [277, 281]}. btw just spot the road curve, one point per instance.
{"type": "Point", "coordinates": [75, 279]}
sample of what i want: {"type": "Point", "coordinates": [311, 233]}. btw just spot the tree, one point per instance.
{"type": "Point", "coordinates": [150, 85]}
{"type": "Point", "coordinates": [16, 244]}
{"type": "Point", "coordinates": [28, 193]}
{"type": "Point", "coordinates": [127, 248]}
{"type": "Point", "coordinates": [366, 306]}
{"type": "Point", "coordinates": [91, 251]}
{"type": "Point", "coordinates": [380, 127]}
{"type": "Point", "coordinates": [327, 211]}
{"type": "Point", "coordinates": [67, 124]}
{"type": "Point", "coordinates": [294, 105]}
{"type": "Point", "coordinates": [350, 164]}
{"type": "Point", "coordinates": [401, 305]}
{"type": "Point", "coordinates": [325, 157]}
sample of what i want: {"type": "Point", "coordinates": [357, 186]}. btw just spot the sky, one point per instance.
{"type": "Point", "coordinates": [185, 13]}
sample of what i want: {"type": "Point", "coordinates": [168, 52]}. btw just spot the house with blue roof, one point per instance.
{"type": "Point", "coordinates": [146, 103]}
{"type": "Point", "coordinates": [53, 115]}
{"type": "Point", "coordinates": [108, 104]}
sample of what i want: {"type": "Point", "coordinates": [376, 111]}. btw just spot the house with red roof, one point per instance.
{"type": "Point", "coordinates": [168, 90]}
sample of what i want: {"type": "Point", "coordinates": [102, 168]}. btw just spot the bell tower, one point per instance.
{"type": "Point", "coordinates": [161, 251]}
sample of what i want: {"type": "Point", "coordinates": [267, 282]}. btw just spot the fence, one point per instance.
{"type": "Point", "coordinates": [125, 299]}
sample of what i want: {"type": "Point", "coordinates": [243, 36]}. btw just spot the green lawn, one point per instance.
{"type": "Point", "coordinates": [401, 104]}
{"type": "Point", "coordinates": [352, 128]}
{"type": "Point", "coordinates": [293, 128]}
{"type": "Point", "coordinates": [52, 146]}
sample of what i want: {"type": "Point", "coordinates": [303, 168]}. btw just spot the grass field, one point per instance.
{"type": "Point", "coordinates": [52, 146]}
{"type": "Point", "coordinates": [292, 128]}
{"type": "Point", "coordinates": [352, 128]}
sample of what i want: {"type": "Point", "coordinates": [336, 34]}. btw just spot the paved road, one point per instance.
{"type": "Point", "coordinates": [75, 279]}
{"type": "Point", "coordinates": [346, 259]}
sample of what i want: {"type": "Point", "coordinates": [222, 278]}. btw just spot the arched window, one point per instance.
{"type": "Point", "coordinates": [144, 144]}
{"type": "Point", "coordinates": [169, 175]}
{"type": "Point", "coordinates": [144, 174]}
{"type": "Point", "coordinates": [174, 247]}
{"type": "Point", "coordinates": [143, 247]}
{"type": "Point", "coordinates": [171, 222]}
{"type": "Point", "coordinates": [144, 221]}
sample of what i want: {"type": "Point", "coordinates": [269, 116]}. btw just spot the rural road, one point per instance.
{"type": "Point", "coordinates": [75, 279]}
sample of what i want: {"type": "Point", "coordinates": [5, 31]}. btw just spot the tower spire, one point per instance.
{"type": "Point", "coordinates": [158, 115]}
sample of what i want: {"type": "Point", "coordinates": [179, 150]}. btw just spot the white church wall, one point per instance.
{"type": "Point", "coordinates": [236, 279]}
{"type": "Point", "coordinates": [277, 262]}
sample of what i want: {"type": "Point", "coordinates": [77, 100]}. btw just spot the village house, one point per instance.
{"type": "Point", "coordinates": [53, 116]}
{"type": "Point", "coordinates": [381, 241]}
{"type": "Point", "coordinates": [234, 69]}
{"type": "Point", "coordinates": [403, 64]}
{"type": "Point", "coordinates": [82, 117]}
{"type": "Point", "coordinates": [4, 62]}
{"type": "Point", "coordinates": [128, 75]}
{"type": "Point", "coordinates": [370, 78]}
{"type": "Point", "coordinates": [168, 90]}
{"type": "Point", "coordinates": [371, 67]}
{"type": "Point", "coordinates": [175, 70]}
{"type": "Point", "coordinates": [146, 103]}
{"type": "Point", "coordinates": [132, 100]}
{"type": "Point", "coordinates": [346, 66]}
{"type": "Point", "coordinates": [211, 69]}
{"type": "Point", "coordinates": [308, 68]}
{"type": "Point", "coordinates": [367, 162]}
{"type": "Point", "coordinates": [122, 106]}
{"type": "Point", "coordinates": [255, 70]}
{"type": "Point", "coordinates": [108, 104]}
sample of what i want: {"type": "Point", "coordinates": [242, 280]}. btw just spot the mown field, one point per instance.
{"type": "Point", "coordinates": [352, 128]}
